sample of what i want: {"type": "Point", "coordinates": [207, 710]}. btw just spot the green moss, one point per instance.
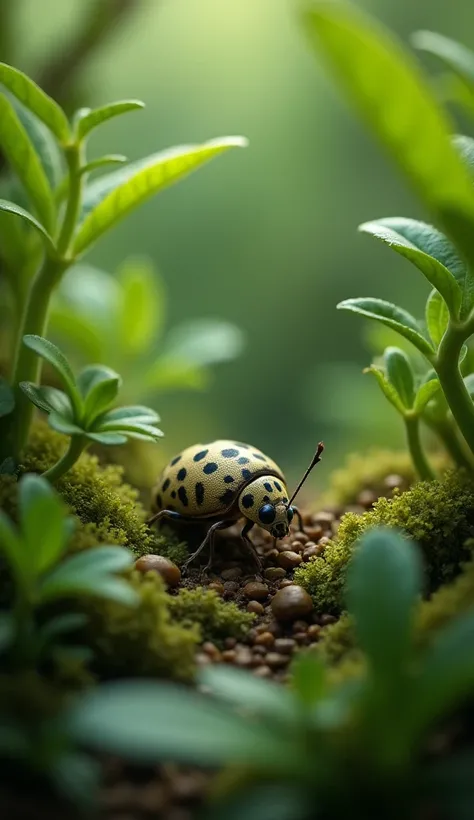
{"type": "Point", "coordinates": [446, 604]}
{"type": "Point", "coordinates": [216, 618]}
{"type": "Point", "coordinates": [338, 641]}
{"type": "Point", "coordinates": [438, 515]}
{"type": "Point", "coordinates": [147, 641]}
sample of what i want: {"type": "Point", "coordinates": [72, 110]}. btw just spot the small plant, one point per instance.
{"type": "Point", "coordinates": [366, 735]}
{"type": "Point", "coordinates": [83, 410]}
{"type": "Point", "coordinates": [35, 555]}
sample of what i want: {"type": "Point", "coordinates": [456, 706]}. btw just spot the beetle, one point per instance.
{"type": "Point", "coordinates": [221, 482]}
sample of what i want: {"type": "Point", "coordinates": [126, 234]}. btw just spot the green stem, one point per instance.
{"type": "Point", "coordinates": [449, 374]}
{"type": "Point", "coordinates": [422, 467]}
{"type": "Point", "coordinates": [448, 436]}
{"type": "Point", "coordinates": [76, 447]}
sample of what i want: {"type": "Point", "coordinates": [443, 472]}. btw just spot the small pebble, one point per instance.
{"type": "Point", "coordinates": [243, 656]}
{"type": "Point", "coordinates": [265, 639]}
{"type": "Point", "coordinates": [286, 582]}
{"type": "Point", "coordinates": [275, 660]}
{"type": "Point", "coordinates": [300, 626]}
{"type": "Point", "coordinates": [262, 672]}
{"type": "Point", "coordinates": [202, 659]}
{"type": "Point", "coordinates": [366, 499]}
{"type": "Point", "coordinates": [289, 559]}
{"type": "Point", "coordinates": [275, 573]}
{"type": "Point", "coordinates": [327, 619]}
{"type": "Point", "coordinates": [301, 638]}
{"type": "Point", "coordinates": [231, 574]}
{"type": "Point", "coordinates": [170, 573]}
{"type": "Point", "coordinates": [256, 607]}
{"type": "Point", "coordinates": [229, 643]}
{"type": "Point", "coordinates": [255, 591]}
{"type": "Point", "coordinates": [314, 631]}
{"type": "Point", "coordinates": [230, 588]}
{"type": "Point", "coordinates": [217, 587]}
{"type": "Point", "coordinates": [393, 481]}
{"type": "Point", "coordinates": [257, 649]}
{"type": "Point", "coordinates": [210, 649]}
{"type": "Point", "coordinates": [275, 628]}
{"type": "Point", "coordinates": [285, 645]}
{"type": "Point", "coordinates": [315, 532]}
{"type": "Point", "coordinates": [302, 537]}
{"type": "Point", "coordinates": [291, 603]}
{"type": "Point", "coordinates": [324, 518]}
{"type": "Point", "coordinates": [271, 555]}
{"type": "Point", "coordinates": [229, 655]}
{"type": "Point", "coordinates": [311, 552]}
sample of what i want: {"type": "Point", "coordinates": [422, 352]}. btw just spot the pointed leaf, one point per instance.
{"type": "Point", "coordinates": [58, 401]}
{"type": "Point", "coordinates": [48, 351]}
{"type": "Point", "coordinates": [400, 374]}
{"type": "Point", "coordinates": [436, 316]}
{"type": "Point", "coordinates": [130, 428]}
{"type": "Point", "coordinates": [383, 587]}
{"type": "Point", "coordinates": [44, 143]}
{"type": "Point", "coordinates": [385, 84]}
{"type": "Point", "coordinates": [11, 208]}
{"type": "Point", "coordinates": [63, 425]}
{"type": "Point", "coordinates": [451, 53]}
{"type": "Point", "coordinates": [254, 695]}
{"type": "Point", "coordinates": [387, 389]}
{"type": "Point", "coordinates": [101, 393]}
{"type": "Point", "coordinates": [133, 185]}
{"type": "Point", "coordinates": [414, 240]}
{"type": "Point", "coordinates": [204, 342]}
{"type": "Point", "coordinates": [465, 148]}
{"type": "Point", "coordinates": [89, 573]}
{"type": "Point", "coordinates": [137, 412]}
{"type": "Point", "coordinates": [103, 162]}
{"type": "Point", "coordinates": [38, 396]}
{"type": "Point", "coordinates": [308, 678]}
{"type": "Point", "coordinates": [97, 116]}
{"type": "Point", "coordinates": [7, 399]}
{"type": "Point", "coordinates": [392, 316]}
{"type": "Point", "coordinates": [34, 98]}
{"type": "Point", "coordinates": [92, 375]}
{"type": "Point", "coordinates": [21, 155]}
{"type": "Point", "coordinates": [149, 721]}
{"type": "Point", "coordinates": [108, 438]}
{"type": "Point", "coordinates": [42, 516]}
{"type": "Point", "coordinates": [425, 393]}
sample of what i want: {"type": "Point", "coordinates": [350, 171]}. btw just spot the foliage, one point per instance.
{"type": "Point", "coordinates": [356, 746]}
{"type": "Point", "coordinates": [439, 515]}
{"type": "Point", "coordinates": [217, 619]}
{"type": "Point", "coordinates": [367, 471]}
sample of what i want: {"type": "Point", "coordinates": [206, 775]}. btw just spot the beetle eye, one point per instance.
{"type": "Point", "coordinates": [267, 513]}
{"type": "Point", "coordinates": [289, 514]}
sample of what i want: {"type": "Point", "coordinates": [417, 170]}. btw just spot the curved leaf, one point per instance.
{"type": "Point", "coordinates": [11, 208]}
{"type": "Point", "coordinates": [63, 425]}
{"type": "Point", "coordinates": [48, 351]}
{"type": "Point", "coordinates": [425, 393]}
{"type": "Point", "coordinates": [400, 374]}
{"type": "Point", "coordinates": [135, 412]}
{"type": "Point", "coordinates": [34, 98]}
{"type": "Point", "coordinates": [203, 342]}
{"type": "Point", "coordinates": [35, 395]}
{"type": "Point", "coordinates": [242, 689]}
{"type": "Point", "coordinates": [436, 316]}
{"type": "Point", "coordinates": [133, 185]}
{"type": "Point", "coordinates": [453, 54]}
{"type": "Point", "coordinates": [97, 116]}
{"type": "Point", "coordinates": [103, 162]}
{"type": "Point", "coordinates": [109, 438]}
{"type": "Point", "coordinates": [42, 516]}
{"type": "Point", "coordinates": [392, 316]}
{"type": "Point", "coordinates": [88, 572]}
{"type": "Point", "coordinates": [44, 142]}
{"type": "Point", "coordinates": [100, 397]}
{"type": "Point", "coordinates": [412, 240]}
{"type": "Point", "coordinates": [387, 389]}
{"type": "Point", "coordinates": [141, 306]}
{"type": "Point", "coordinates": [465, 147]}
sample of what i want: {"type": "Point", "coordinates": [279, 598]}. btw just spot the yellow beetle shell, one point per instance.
{"type": "Point", "coordinates": [205, 480]}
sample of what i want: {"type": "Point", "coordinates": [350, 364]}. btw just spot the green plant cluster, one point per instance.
{"type": "Point", "coordinates": [216, 619]}
{"type": "Point", "coordinates": [439, 515]}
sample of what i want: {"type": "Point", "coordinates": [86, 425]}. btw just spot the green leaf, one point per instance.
{"type": "Point", "coordinates": [89, 573]}
{"type": "Point", "coordinates": [383, 587]}
{"type": "Point", "coordinates": [103, 162]}
{"type": "Point", "coordinates": [108, 438]}
{"type": "Point", "coordinates": [36, 395]}
{"type": "Point", "coordinates": [256, 696]}
{"type": "Point", "coordinates": [60, 625]}
{"type": "Point", "coordinates": [309, 679]}
{"type": "Point", "coordinates": [11, 208]}
{"type": "Point", "coordinates": [141, 304]}
{"type": "Point", "coordinates": [149, 721]}
{"type": "Point", "coordinates": [400, 374]}
{"type": "Point", "coordinates": [465, 148]}
{"type": "Point", "coordinates": [42, 517]}
{"type": "Point", "coordinates": [203, 342]}
{"type": "Point", "coordinates": [63, 425]}
{"type": "Point", "coordinates": [436, 316]}
{"type": "Point", "coordinates": [101, 392]}
{"type": "Point", "coordinates": [7, 399]}
{"type": "Point", "coordinates": [387, 389]}
{"type": "Point", "coordinates": [133, 429]}
{"type": "Point", "coordinates": [469, 382]}
{"type": "Point", "coordinates": [425, 393]}
{"type": "Point", "coordinates": [44, 144]}
{"type": "Point", "coordinates": [393, 97]}
{"type": "Point", "coordinates": [48, 351]}
{"type": "Point", "coordinates": [415, 241]}
{"type": "Point", "coordinates": [34, 98]}
{"type": "Point", "coordinates": [132, 413]}
{"type": "Point", "coordinates": [133, 185]}
{"type": "Point", "coordinates": [392, 316]}
{"type": "Point", "coordinates": [454, 55]}
{"type": "Point", "coordinates": [264, 801]}
{"type": "Point", "coordinates": [21, 155]}
{"type": "Point", "coordinates": [106, 112]}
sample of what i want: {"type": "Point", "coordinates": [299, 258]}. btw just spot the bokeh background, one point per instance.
{"type": "Point", "coordinates": [266, 237]}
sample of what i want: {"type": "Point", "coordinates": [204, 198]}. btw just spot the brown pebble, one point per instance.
{"type": "Point", "coordinates": [366, 498]}
{"type": "Point", "coordinates": [327, 619]}
{"type": "Point", "coordinates": [170, 573]}
{"type": "Point", "coordinates": [243, 656]}
{"type": "Point", "coordinates": [291, 603]}
{"type": "Point", "coordinates": [300, 626]}
{"type": "Point", "coordinates": [202, 659]}
{"type": "Point", "coordinates": [229, 643]}
{"type": "Point", "coordinates": [275, 660]}
{"type": "Point", "coordinates": [275, 628]}
{"type": "Point", "coordinates": [393, 481]}
{"type": "Point", "coordinates": [324, 518]}
{"type": "Point", "coordinates": [217, 587]}
{"type": "Point", "coordinates": [302, 537]}
{"type": "Point", "coordinates": [314, 631]}
{"type": "Point", "coordinates": [271, 555]}
{"type": "Point", "coordinates": [265, 639]}
{"type": "Point", "coordinates": [274, 573]}
{"type": "Point", "coordinates": [262, 672]}
{"type": "Point", "coordinates": [311, 552]}
{"type": "Point", "coordinates": [286, 582]}
{"type": "Point", "coordinates": [210, 648]}
{"type": "Point", "coordinates": [301, 638]}
{"type": "Point", "coordinates": [258, 649]}
{"type": "Point", "coordinates": [230, 588]}
{"type": "Point", "coordinates": [289, 559]}
{"type": "Point", "coordinates": [285, 645]}
{"type": "Point", "coordinates": [314, 533]}
{"type": "Point", "coordinates": [256, 607]}
{"type": "Point", "coordinates": [231, 574]}
{"type": "Point", "coordinates": [323, 542]}
{"type": "Point", "coordinates": [228, 656]}
{"type": "Point", "coordinates": [255, 591]}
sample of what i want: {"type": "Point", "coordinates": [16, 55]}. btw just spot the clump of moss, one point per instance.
{"type": "Point", "coordinates": [338, 641]}
{"type": "Point", "coordinates": [149, 641]}
{"type": "Point", "coordinates": [217, 619]}
{"type": "Point", "coordinates": [438, 515]}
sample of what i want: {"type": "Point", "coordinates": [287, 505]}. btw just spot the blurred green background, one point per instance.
{"type": "Point", "coordinates": [264, 237]}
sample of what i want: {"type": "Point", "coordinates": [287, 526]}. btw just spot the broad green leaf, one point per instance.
{"type": "Point", "coordinates": [42, 515]}
{"type": "Point", "coordinates": [254, 695]}
{"type": "Point", "coordinates": [400, 374]}
{"type": "Point", "coordinates": [387, 87]}
{"type": "Point", "coordinates": [436, 316]}
{"type": "Point", "coordinates": [56, 359]}
{"type": "Point", "coordinates": [392, 316]}
{"type": "Point", "coordinates": [7, 399]}
{"type": "Point", "coordinates": [11, 208]}
{"type": "Point", "coordinates": [383, 587]}
{"type": "Point", "coordinates": [105, 586]}
{"type": "Point", "coordinates": [133, 185]}
{"type": "Point", "coordinates": [109, 438]}
{"type": "Point", "coordinates": [100, 396]}
{"type": "Point", "coordinates": [35, 395]}
{"type": "Point", "coordinates": [130, 428]}
{"type": "Point", "coordinates": [64, 425]}
{"type": "Point", "coordinates": [203, 342]}
{"type": "Point", "coordinates": [49, 399]}
{"type": "Point", "coordinates": [97, 116]}
{"type": "Point", "coordinates": [135, 412]}
{"type": "Point", "coordinates": [141, 306]}
{"type": "Point", "coordinates": [88, 572]}
{"type": "Point", "coordinates": [44, 144]}
{"type": "Point", "coordinates": [92, 375]}
{"type": "Point", "coordinates": [308, 677]}
{"type": "Point", "coordinates": [425, 393]}
{"type": "Point", "coordinates": [34, 98]}
{"type": "Point", "coordinates": [465, 148]}
{"type": "Point", "coordinates": [451, 53]}
{"type": "Point", "coordinates": [415, 240]}
{"type": "Point", "coordinates": [21, 155]}
{"type": "Point", "coordinates": [149, 721]}
{"type": "Point", "coordinates": [103, 162]}
{"type": "Point", "coordinates": [387, 389]}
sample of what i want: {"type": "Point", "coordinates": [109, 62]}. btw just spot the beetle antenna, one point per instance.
{"type": "Point", "coordinates": [316, 458]}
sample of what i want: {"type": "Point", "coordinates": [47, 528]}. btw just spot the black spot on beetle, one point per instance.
{"type": "Point", "coordinates": [260, 457]}
{"type": "Point", "coordinates": [171, 507]}
{"type": "Point", "coordinates": [183, 496]}
{"type": "Point", "coordinates": [247, 473]}
{"type": "Point", "coordinates": [247, 501]}
{"type": "Point", "coordinates": [229, 453]}
{"type": "Point", "coordinates": [166, 484]}
{"type": "Point", "coordinates": [199, 456]}
{"type": "Point", "coordinates": [243, 460]}
{"type": "Point", "coordinates": [159, 501]}
{"type": "Point", "coordinates": [285, 500]}
{"type": "Point", "coordinates": [199, 492]}
{"type": "Point", "coordinates": [278, 486]}
{"type": "Point", "coordinates": [227, 497]}
{"type": "Point", "coordinates": [175, 460]}
{"type": "Point", "coordinates": [209, 468]}
{"type": "Point", "coordinates": [229, 479]}
{"type": "Point", "coordinates": [182, 473]}
{"type": "Point", "coordinates": [268, 486]}
{"type": "Point", "coordinates": [266, 498]}
{"type": "Point", "coordinates": [173, 493]}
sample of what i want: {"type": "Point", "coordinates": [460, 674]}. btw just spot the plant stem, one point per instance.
{"type": "Point", "coordinates": [449, 374]}
{"type": "Point", "coordinates": [422, 467]}
{"type": "Point", "coordinates": [448, 436]}
{"type": "Point", "coordinates": [76, 447]}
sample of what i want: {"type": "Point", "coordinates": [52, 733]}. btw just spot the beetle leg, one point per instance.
{"type": "Point", "coordinates": [209, 539]}
{"type": "Point", "coordinates": [175, 516]}
{"type": "Point", "coordinates": [300, 519]}
{"type": "Point", "coordinates": [248, 543]}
